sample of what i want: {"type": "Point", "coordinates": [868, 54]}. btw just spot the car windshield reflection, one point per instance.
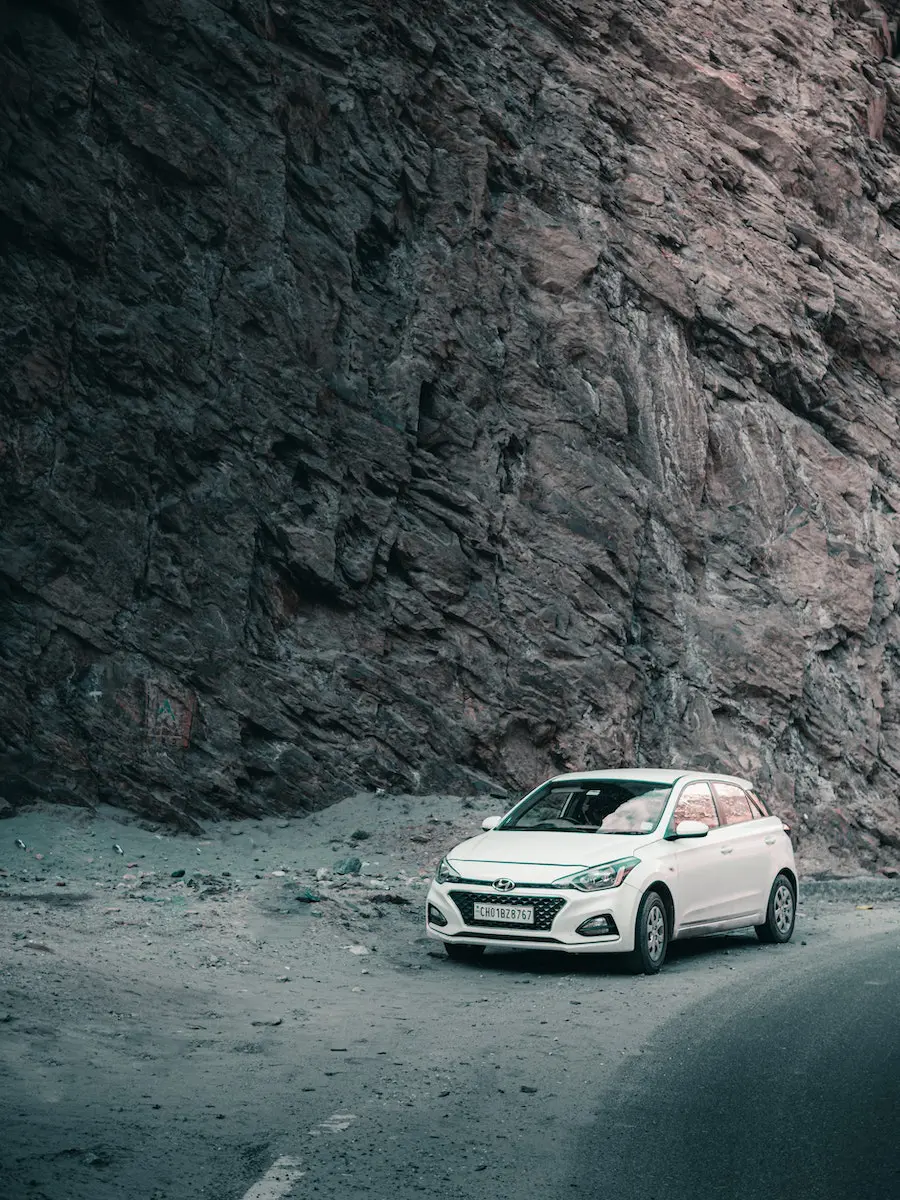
{"type": "Point", "coordinates": [620, 806]}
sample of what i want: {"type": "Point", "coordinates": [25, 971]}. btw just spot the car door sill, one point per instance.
{"type": "Point", "coordinates": [741, 921]}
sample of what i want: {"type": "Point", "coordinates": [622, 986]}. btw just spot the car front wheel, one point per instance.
{"type": "Point", "coordinates": [651, 936]}
{"type": "Point", "coordinates": [460, 952]}
{"type": "Point", "coordinates": [780, 914]}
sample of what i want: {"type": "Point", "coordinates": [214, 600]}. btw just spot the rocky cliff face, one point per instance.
{"type": "Point", "coordinates": [403, 393]}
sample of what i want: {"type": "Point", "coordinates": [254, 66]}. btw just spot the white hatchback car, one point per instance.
{"type": "Point", "coordinates": [618, 861]}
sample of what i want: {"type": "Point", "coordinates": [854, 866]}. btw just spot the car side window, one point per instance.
{"type": "Point", "coordinates": [734, 804]}
{"type": "Point", "coordinates": [696, 804]}
{"type": "Point", "coordinates": [758, 805]}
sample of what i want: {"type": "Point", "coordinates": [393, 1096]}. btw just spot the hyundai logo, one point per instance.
{"type": "Point", "coordinates": [503, 885]}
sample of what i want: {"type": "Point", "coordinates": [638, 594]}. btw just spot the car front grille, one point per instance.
{"type": "Point", "coordinates": [545, 908]}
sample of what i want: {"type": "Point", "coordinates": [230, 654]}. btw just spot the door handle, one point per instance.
{"type": "Point", "coordinates": [770, 841]}
{"type": "Point", "coordinates": [728, 850]}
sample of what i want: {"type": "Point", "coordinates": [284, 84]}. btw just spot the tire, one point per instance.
{"type": "Point", "coordinates": [781, 913]}
{"type": "Point", "coordinates": [651, 936]}
{"type": "Point", "coordinates": [460, 952]}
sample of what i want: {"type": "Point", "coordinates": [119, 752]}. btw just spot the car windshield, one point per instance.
{"type": "Point", "coordinates": [592, 806]}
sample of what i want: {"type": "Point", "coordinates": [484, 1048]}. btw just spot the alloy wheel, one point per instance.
{"type": "Point", "coordinates": [656, 931]}
{"type": "Point", "coordinates": [783, 908]}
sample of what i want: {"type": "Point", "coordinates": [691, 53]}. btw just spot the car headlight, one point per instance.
{"type": "Point", "coordinates": [446, 874]}
{"type": "Point", "coordinates": [597, 879]}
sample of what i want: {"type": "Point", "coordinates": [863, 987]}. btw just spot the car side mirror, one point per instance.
{"type": "Point", "coordinates": [691, 829]}
{"type": "Point", "coordinates": [490, 823]}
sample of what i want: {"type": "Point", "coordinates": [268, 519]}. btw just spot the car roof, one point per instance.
{"type": "Point", "coordinates": [652, 775]}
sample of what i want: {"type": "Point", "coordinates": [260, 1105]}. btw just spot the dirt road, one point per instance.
{"type": "Point", "coordinates": [247, 1029]}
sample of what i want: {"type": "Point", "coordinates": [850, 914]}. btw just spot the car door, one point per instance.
{"type": "Point", "coordinates": [702, 866]}
{"type": "Point", "coordinates": [748, 853]}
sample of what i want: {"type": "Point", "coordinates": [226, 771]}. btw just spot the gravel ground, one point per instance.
{"type": "Point", "coordinates": [179, 1013]}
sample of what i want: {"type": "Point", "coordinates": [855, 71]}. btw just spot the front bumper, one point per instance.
{"type": "Point", "coordinates": [558, 914]}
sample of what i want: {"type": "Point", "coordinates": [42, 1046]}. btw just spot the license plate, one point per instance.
{"type": "Point", "coordinates": [511, 914]}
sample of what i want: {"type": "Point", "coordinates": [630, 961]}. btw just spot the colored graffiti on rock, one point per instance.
{"type": "Point", "coordinates": [169, 718]}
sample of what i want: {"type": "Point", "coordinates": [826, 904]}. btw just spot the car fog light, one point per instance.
{"type": "Point", "coordinates": [597, 927]}
{"type": "Point", "coordinates": [435, 916]}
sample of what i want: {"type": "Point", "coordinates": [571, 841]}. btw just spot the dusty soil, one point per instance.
{"type": "Point", "coordinates": [165, 1037]}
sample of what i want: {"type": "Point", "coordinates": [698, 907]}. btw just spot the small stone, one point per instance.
{"type": "Point", "coordinates": [179, 874]}
{"type": "Point", "coordinates": [530, 1091]}
{"type": "Point", "coordinates": [268, 1021]}
{"type": "Point", "coordinates": [100, 1158]}
{"type": "Point", "coordinates": [308, 896]}
{"type": "Point", "coordinates": [393, 898]}
{"type": "Point", "coordinates": [348, 866]}
{"type": "Point", "coordinates": [118, 849]}
{"type": "Point", "coordinates": [21, 844]}
{"type": "Point", "coordinates": [360, 835]}
{"type": "Point", "coordinates": [356, 949]}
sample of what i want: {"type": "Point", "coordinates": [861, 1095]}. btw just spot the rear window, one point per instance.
{"type": "Point", "coordinates": [632, 806]}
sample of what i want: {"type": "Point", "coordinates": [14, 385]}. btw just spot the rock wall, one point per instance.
{"type": "Point", "coordinates": [413, 394]}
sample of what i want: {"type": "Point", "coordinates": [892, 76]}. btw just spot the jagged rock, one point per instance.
{"type": "Point", "coordinates": [401, 394]}
{"type": "Point", "coordinates": [347, 866]}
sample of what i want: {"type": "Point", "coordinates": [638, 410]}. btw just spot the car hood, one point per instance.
{"type": "Point", "coordinates": [537, 856]}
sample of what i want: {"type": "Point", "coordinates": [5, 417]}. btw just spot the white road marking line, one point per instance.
{"type": "Point", "coordinates": [285, 1171]}
{"type": "Point", "coordinates": [336, 1123]}
{"type": "Point", "coordinates": [277, 1181]}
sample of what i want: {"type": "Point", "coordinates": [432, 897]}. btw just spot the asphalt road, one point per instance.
{"type": "Point", "coordinates": [792, 1091]}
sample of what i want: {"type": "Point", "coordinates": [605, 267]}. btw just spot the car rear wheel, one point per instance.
{"type": "Point", "coordinates": [651, 936]}
{"type": "Point", "coordinates": [460, 952]}
{"type": "Point", "coordinates": [780, 914]}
